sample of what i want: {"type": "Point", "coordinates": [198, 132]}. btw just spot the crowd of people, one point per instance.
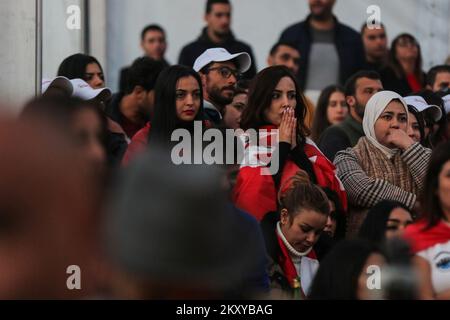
{"type": "Point", "coordinates": [358, 131]}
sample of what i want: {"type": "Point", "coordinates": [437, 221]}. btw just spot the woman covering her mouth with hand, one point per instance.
{"type": "Point", "coordinates": [386, 164]}
{"type": "Point", "coordinates": [276, 110]}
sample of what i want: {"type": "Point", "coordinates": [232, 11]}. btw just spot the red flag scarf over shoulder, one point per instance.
{"type": "Point", "coordinates": [255, 190]}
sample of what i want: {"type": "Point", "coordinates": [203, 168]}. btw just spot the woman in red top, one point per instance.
{"type": "Point", "coordinates": [430, 236]}
{"type": "Point", "coordinates": [178, 104]}
{"type": "Point", "coordinates": [404, 73]}
{"type": "Point", "coordinates": [275, 102]}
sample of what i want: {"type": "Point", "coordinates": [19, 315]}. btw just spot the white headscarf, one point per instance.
{"type": "Point", "coordinates": [374, 108]}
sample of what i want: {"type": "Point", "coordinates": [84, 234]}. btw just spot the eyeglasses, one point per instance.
{"type": "Point", "coordinates": [226, 72]}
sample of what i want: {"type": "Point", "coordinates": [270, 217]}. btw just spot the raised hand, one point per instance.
{"type": "Point", "coordinates": [399, 139]}
{"type": "Point", "coordinates": [287, 127]}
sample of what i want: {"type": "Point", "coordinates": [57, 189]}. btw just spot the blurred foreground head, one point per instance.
{"type": "Point", "coordinates": [81, 121]}
{"type": "Point", "coordinates": [48, 214]}
{"type": "Point", "coordinates": [172, 235]}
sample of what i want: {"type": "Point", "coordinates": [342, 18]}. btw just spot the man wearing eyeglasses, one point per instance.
{"type": "Point", "coordinates": [217, 33]}
{"type": "Point", "coordinates": [220, 70]}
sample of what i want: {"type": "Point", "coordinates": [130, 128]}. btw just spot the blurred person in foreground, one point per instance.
{"type": "Point", "coordinates": [171, 234]}
{"type": "Point", "coordinates": [82, 122]}
{"type": "Point", "coordinates": [49, 213]}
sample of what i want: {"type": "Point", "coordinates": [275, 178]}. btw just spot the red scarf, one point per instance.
{"type": "Point", "coordinates": [255, 193]}
{"type": "Point", "coordinates": [421, 239]}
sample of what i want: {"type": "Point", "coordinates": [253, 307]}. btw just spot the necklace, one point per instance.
{"type": "Point", "coordinates": [290, 248]}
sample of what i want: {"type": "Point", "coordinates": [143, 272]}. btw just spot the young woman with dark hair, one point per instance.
{"type": "Point", "coordinates": [404, 73]}
{"type": "Point", "coordinates": [342, 275]}
{"type": "Point", "coordinates": [276, 112]}
{"type": "Point", "coordinates": [81, 66]}
{"type": "Point", "coordinates": [89, 69]}
{"type": "Point", "coordinates": [387, 219]}
{"type": "Point", "coordinates": [430, 236]}
{"type": "Point", "coordinates": [331, 109]}
{"type": "Point", "coordinates": [291, 233]}
{"type": "Point", "coordinates": [178, 104]}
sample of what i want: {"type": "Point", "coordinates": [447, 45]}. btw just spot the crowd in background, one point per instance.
{"type": "Point", "coordinates": [358, 130]}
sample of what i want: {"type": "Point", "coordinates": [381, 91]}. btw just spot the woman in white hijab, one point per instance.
{"type": "Point", "coordinates": [386, 164]}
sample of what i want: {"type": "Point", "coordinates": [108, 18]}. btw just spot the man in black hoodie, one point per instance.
{"type": "Point", "coordinates": [217, 33]}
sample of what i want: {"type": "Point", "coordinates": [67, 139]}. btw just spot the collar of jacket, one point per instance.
{"type": "Point", "coordinates": [205, 38]}
{"type": "Point", "coordinates": [337, 25]}
{"type": "Point", "coordinates": [353, 124]}
{"type": "Point", "coordinates": [209, 106]}
{"type": "Point", "coordinates": [268, 226]}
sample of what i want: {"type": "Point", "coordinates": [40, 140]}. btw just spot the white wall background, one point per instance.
{"type": "Point", "coordinates": [260, 22]}
{"type": "Point", "coordinates": [59, 42]}
{"type": "Point", "coordinates": [17, 52]}
{"type": "Point", "coordinates": [18, 49]}
{"type": "Point", "coordinates": [116, 26]}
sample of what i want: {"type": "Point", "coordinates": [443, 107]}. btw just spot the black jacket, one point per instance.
{"type": "Point", "coordinates": [193, 50]}
{"type": "Point", "coordinates": [277, 277]}
{"type": "Point", "coordinates": [348, 42]}
{"type": "Point", "coordinates": [392, 82]}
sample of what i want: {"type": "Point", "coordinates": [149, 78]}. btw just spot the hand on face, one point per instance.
{"type": "Point", "coordinates": [288, 126]}
{"type": "Point", "coordinates": [399, 139]}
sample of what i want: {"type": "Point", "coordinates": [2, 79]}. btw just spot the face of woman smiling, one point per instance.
{"type": "Point", "coordinates": [283, 97]}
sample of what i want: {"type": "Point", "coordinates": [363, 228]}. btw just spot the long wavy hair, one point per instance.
{"type": "Point", "coordinates": [260, 99]}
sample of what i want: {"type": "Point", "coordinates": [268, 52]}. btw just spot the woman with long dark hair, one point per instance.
{"type": "Point", "coordinates": [331, 109]}
{"type": "Point", "coordinates": [404, 73]}
{"type": "Point", "coordinates": [178, 104]}
{"type": "Point", "coordinates": [276, 112]}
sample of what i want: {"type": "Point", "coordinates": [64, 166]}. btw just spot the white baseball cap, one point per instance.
{"type": "Point", "coordinates": [61, 83]}
{"type": "Point", "coordinates": [221, 55]}
{"type": "Point", "coordinates": [84, 91]}
{"type": "Point", "coordinates": [446, 103]}
{"type": "Point", "coordinates": [421, 105]}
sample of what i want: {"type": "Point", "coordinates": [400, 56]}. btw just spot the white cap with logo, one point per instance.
{"type": "Point", "coordinates": [76, 88]}
{"type": "Point", "coordinates": [84, 91]}
{"type": "Point", "coordinates": [446, 103]}
{"type": "Point", "coordinates": [61, 83]}
{"type": "Point", "coordinates": [421, 105]}
{"type": "Point", "coordinates": [221, 55]}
